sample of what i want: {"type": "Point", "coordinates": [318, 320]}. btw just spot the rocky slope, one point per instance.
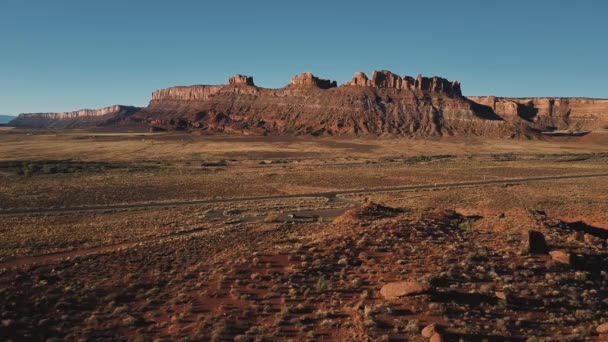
{"type": "Point", "coordinates": [84, 118]}
{"type": "Point", "coordinates": [551, 113]}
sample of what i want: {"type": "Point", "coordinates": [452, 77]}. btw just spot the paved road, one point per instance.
{"type": "Point", "coordinates": [329, 194]}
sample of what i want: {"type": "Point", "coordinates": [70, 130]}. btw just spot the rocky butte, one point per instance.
{"type": "Point", "coordinates": [83, 118]}
{"type": "Point", "coordinates": [385, 104]}
{"type": "Point", "coordinates": [551, 113]}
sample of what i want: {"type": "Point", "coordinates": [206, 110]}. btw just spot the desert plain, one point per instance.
{"type": "Point", "coordinates": [181, 236]}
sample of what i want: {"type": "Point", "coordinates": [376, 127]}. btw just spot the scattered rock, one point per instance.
{"type": "Point", "coordinates": [367, 211]}
{"type": "Point", "coordinates": [403, 288]}
{"type": "Point", "coordinates": [535, 242]}
{"type": "Point", "coordinates": [429, 330]}
{"type": "Point", "coordinates": [501, 295]}
{"type": "Point", "coordinates": [129, 321]}
{"type": "Point", "coordinates": [437, 337]}
{"type": "Point", "coordinates": [602, 328]}
{"type": "Point", "coordinates": [561, 257]}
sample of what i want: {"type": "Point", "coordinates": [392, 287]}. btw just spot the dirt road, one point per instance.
{"type": "Point", "coordinates": [328, 194]}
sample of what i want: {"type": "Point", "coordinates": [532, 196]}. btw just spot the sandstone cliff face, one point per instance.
{"type": "Point", "coordinates": [386, 105]}
{"type": "Point", "coordinates": [360, 79]}
{"type": "Point", "coordinates": [76, 119]}
{"type": "Point", "coordinates": [387, 79]}
{"type": "Point", "coordinates": [191, 93]}
{"type": "Point", "coordinates": [241, 80]}
{"type": "Point", "coordinates": [308, 79]}
{"type": "Point", "coordinates": [551, 113]}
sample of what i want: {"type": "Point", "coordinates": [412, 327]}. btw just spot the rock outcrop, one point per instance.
{"type": "Point", "coordinates": [360, 79]}
{"type": "Point", "coordinates": [550, 113]}
{"type": "Point", "coordinates": [385, 105]}
{"type": "Point", "coordinates": [83, 118]}
{"type": "Point", "coordinates": [399, 289]}
{"type": "Point", "coordinates": [241, 80]}
{"type": "Point", "coordinates": [308, 79]}
{"type": "Point", "coordinates": [387, 79]}
{"type": "Point", "coordinates": [191, 93]}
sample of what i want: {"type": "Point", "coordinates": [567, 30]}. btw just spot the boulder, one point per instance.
{"type": "Point", "coordinates": [429, 330]}
{"type": "Point", "coordinates": [535, 243]}
{"type": "Point", "coordinates": [561, 257]}
{"type": "Point", "coordinates": [398, 289]}
{"type": "Point", "coordinates": [500, 295]}
{"type": "Point", "coordinates": [602, 328]}
{"type": "Point", "coordinates": [436, 338]}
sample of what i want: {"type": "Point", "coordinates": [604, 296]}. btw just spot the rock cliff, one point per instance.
{"type": "Point", "coordinates": [387, 79]}
{"type": "Point", "coordinates": [386, 104]}
{"type": "Point", "coordinates": [241, 80]}
{"type": "Point", "coordinates": [551, 113]}
{"type": "Point", "coordinates": [83, 118]}
{"type": "Point", "coordinates": [308, 79]}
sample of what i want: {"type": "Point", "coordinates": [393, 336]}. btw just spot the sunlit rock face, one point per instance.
{"type": "Point", "coordinates": [77, 119]}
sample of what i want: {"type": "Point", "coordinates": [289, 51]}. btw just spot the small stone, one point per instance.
{"type": "Point", "coordinates": [129, 321]}
{"type": "Point", "coordinates": [436, 338]}
{"type": "Point", "coordinates": [561, 257]}
{"type": "Point", "coordinates": [501, 295]}
{"type": "Point", "coordinates": [403, 288]}
{"type": "Point", "coordinates": [429, 330]}
{"type": "Point", "coordinates": [484, 288]}
{"type": "Point", "coordinates": [602, 328]}
{"type": "Point", "coordinates": [535, 242]}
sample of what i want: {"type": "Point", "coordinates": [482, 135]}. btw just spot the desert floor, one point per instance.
{"type": "Point", "coordinates": [180, 236]}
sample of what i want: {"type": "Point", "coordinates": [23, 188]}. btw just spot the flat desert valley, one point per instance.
{"type": "Point", "coordinates": [184, 236]}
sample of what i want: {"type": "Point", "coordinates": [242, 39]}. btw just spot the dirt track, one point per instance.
{"type": "Point", "coordinates": [328, 194]}
{"type": "Point", "coordinates": [49, 258]}
{"type": "Point", "coordinates": [53, 257]}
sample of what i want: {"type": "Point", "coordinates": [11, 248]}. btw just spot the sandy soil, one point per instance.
{"type": "Point", "coordinates": [139, 236]}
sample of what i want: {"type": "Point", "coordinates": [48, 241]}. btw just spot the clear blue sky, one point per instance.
{"type": "Point", "coordinates": [70, 54]}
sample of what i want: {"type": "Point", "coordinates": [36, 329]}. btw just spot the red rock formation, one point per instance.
{"type": "Point", "coordinates": [550, 113]}
{"type": "Point", "coordinates": [387, 79]}
{"type": "Point", "coordinates": [77, 119]}
{"type": "Point", "coordinates": [191, 93]}
{"type": "Point", "coordinates": [241, 80]}
{"type": "Point", "coordinates": [386, 105]}
{"type": "Point", "coordinates": [308, 79]}
{"type": "Point", "coordinates": [360, 79]}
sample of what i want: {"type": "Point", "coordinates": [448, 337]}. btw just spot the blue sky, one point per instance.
{"type": "Point", "coordinates": [67, 54]}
